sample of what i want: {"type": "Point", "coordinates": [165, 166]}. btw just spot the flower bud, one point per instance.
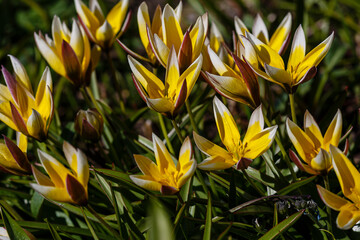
{"type": "Point", "coordinates": [89, 124]}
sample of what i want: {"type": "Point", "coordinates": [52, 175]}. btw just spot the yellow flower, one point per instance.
{"type": "Point", "coordinates": [63, 185]}
{"type": "Point", "coordinates": [349, 179]}
{"type": "Point", "coordinates": [68, 53]}
{"type": "Point", "coordinates": [13, 158]}
{"type": "Point", "coordinates": [187, 46]}
{"type": "Point", "coordinates": [311, 145]}
{"type": "Point", "coordinates": [164, 176]}
{"type": "Point", "coordinates": [19, 109]}
{"type": "Point", "coordinates": [300, 68]}
{"type": "Point", "coordinates": [169, 97]}
{"type": "Point", "coordinates": [103, 31]}
{"type": "Point", "coordinates": [257, 140]}
{"type": "Point", "coordinates": [143, 20]}
{"type": "Point", "coordinates": [278, 41]}
{"type": "Point", "coordinates": [238, 83]}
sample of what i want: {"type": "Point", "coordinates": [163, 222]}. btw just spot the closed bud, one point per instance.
{"type": "Point", "coordinates": [89, 124]}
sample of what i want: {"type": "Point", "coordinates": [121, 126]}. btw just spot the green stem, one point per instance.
{"type": "Point", "coordinates": [328, 209]}
{"type": "Point", "coordinates": [165, 133]}
{"type": "Point", "coordinates": [86, 97]}
{"type": "Point", "coordinates": [92, 231]}
{"type": "Point", "coordinates": [292, 107]}
{"type": "Point", "coordinates": [115, 80]}
{"type": "Point", "coordinates": [103, 222]}
{"type": "Point", "coordinates": [191, 116]}
{"type": "Point", "coordinates": [177, 129]}
{"type": "Point", "coordinates": [252, 183]}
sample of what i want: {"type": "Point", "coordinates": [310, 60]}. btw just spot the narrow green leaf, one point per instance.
{"type": "Point", "coordinates": [282, 226]}
{"type": "Point", "coordinates": [53, 232]}
{"type": "Point", "coordinates": [295, 185]}
{"type": "Point", "coordinates": [207, 230]}
{"type": "Point", "coordinates": [13, 229]}
{"type": "Point", "coordinates": [89, 225]}
{"type": "Point", "coordinates": [36, 203]}
{"type": "Point", "coordinates": [223, 234]}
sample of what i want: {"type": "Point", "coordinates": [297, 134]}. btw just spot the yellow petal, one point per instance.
{"type": "Point", "coordinates": [153, 86]}
{"type": "Point", "coordinates": [298, 48]}
{"type": "Point", "coordinates": [279, 75]}
{"type": "Point", "coordinates": [117, 15]}
{"type": "Point", "coordinates": [187, 172]}
{"type": "Point", "coordinates": [172, 74]}
{"type": "Point", "coordinates": [330, 199]}
{"type": "Point", "coordinates": [88, 17]}
{"type": "Point", "coordinates": [312, 129]}
{"type": "Point", "coordinates": [53, 193]}
{"type": "Point", "coordinates": [209, 148]}
{"type": "Point", "coordinates": [162, 156]}
{"type": "Point", "coordinates": [6, 116]}
{"type": "Point", "coordinates": [314, 57]}
{"type": "Point", "coordinates": [185, 154]}
{"type": "Point", "coordinates": [78, 163]}
{"type": "Point", "coordinates": [216, 163]}
{"type": "Point", "coordinates": [105, 34]}
{"type": "Point", "coordinates": [35, 126]}
{"type": "Point", "coordinates": [197, 36]}
{"type": "Point", "coordinates": [50, 56]}
{"type": "Point", "coordinates": [260, 143]}
{"type": "Point", "coordinates": [240, 27]}
{"type": "Point", "coordinates": [322, 162]}
{"type": "Point", "coordinates": [259, 30]}
{"type": "Point", "coordinates": [20, 72]}
{"type": "Point", "coordinates": [146, 182]}
{"type": "Point", "coordinates": [43, 95]}
{"type": "Point", "coordinates": [159, 48]}
{"type": "Point", "coordinates": [256, 124]}
{"type": "Point", "coordinates": [215, 37]}
{"type": "Point", "coordinates": [226, 125]}
{"type": "Point", "coordinates": [347, 174]}
{"type": "Point", "coordinates": [21, 141]}
{"type": "Point", "coordinates": [171, 28]}
{"type": "Point", "coordinates": [40, 178]}
{"type": "Point", "coordinates": [348, 217]}
{"type": "Point", "coordinates": [191, 74]}
{"type": "Point", "coordinates": [266, 54]}
{"type": "Point", "coordinates": [282, 33]}
{"type": "Point", "coordinates": [220, 67]}
{"type": "Point", "coordinates": [333, 133]}
{"type": "Point", "coordinates": [76, 41]}
{"type": "Point", "coordinates": [302, 143]}
{"type": "Point", "coordinates": [161, 105]}
{"type": "Point", "coordinates": [143, 20]}
{"type": "Point", "coordinates": [55, 169]}
{"type": "Point", "coordinates": [147, 167]}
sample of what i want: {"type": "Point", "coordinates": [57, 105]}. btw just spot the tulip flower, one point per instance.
{"type": "Point", "coordinates": [300, 68]}
{"type": "Point", "coordinates": [165, 98]}
{"type": "Point", "coordinates": [349, 179]}
{"type": "Point", "coordinates": [68, 53]}
{"type": "Point", "coordinates": [239, 83]}
{"type": "Point", "coordinates": [19, 108]}
{"type": "Point", "coordinates": [312, 146]}
{"type": "Point", "coordinates": [13, 158]}
{"type": "Point", "coordinates": [257, 140]}
{"type": "Point", "coordinates": [143, 20]}
{"type": "Point", "coordinates": [63, 185]}
{"type": "Point", "coordinates": [278, 41]}
{"type": "Point", "coordinates": [187, 46]}
{"type": "Point", "coordinates": [100, 30]}
{"type": "Point", "coordinates": [89, 124]}
{"type": "Point", "coordinates": [164, 176]}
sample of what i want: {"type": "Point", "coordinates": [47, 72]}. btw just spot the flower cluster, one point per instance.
{"type": "Point", "coordinates": [103, 152]}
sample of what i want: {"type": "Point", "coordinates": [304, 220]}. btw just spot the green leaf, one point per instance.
{"type": "Point", "coordinates": [53, 232]}
{"type": "Point", "coordinates": [207, 230]}
{"type": "Point", "coordinates": [295, 185]}
{"type": "Point", "coordinates": [161, 225]}
{"type": "Point", "coordinates": [13, 229]}
{"type": "Point", "coordinates": [36, 203]}
{"type": "Point", "coordinates": [282, 226]}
